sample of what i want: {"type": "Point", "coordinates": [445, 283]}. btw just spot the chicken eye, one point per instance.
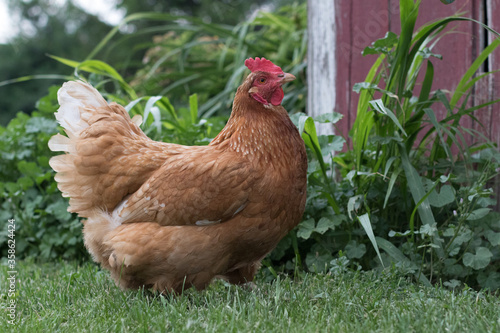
{"type": "Point", "coordinates": [262, 80]}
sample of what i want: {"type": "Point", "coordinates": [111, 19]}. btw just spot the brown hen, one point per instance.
{"type": "Point", "coordinates": [168, 217]}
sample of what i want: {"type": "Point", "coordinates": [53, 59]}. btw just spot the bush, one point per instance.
{"type": "Point", "coordinates": [425, 204]}
{"type": "Point", "coordinates": [44, 229]}
{"type": "Point", "coordinates": [208, 59]}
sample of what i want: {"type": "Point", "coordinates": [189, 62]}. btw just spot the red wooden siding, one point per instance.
{"type": "Point", "coordinates": [358, 23]}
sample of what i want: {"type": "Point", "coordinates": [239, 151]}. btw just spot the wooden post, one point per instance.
{"type": "Point", "coordinates": [321, 69]}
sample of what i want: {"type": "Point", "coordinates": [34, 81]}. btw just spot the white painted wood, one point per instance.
{"type": "Point", "coordinates": [321, 68]}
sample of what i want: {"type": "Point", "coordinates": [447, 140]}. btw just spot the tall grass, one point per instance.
{"type": "Point", "coordinates": [414, 197]}
{"type": "Point", "coordinates": [190, 56]}
{"type": "Point", "coordinates": [417, 157]}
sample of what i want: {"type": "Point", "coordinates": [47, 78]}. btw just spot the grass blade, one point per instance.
{"type": "Point", "coordinates": [379, 106]}
{"type": "Point", "coordinates": [193, 108]}
{"type": "Point", "coordinates": [364, 118]}
{"type": "Point", "coordinates": [418, 192]}
{"type": "Point", "coordinates": [398, 256]}
{"type": "Point", "coordinates": [36, 77]}
{"type": "Point", "coordinates": [464, 82]}
{"type": "Point", "coordinates": [366, 224]}
{"type": "Point", "coordinates": [392, 181]}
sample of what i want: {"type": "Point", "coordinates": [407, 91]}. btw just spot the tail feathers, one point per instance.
{"type": "Point", "coordinates": [78, 101]}
{"type": "Point", "coordinates": [61, 143]}
{"type": "Point", "coordinates": [78, 189]}
{"type": "Point", "coordinates": [106, 154]}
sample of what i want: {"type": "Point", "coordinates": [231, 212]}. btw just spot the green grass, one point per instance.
{"type": "Point", "coordinates": [70, 298]}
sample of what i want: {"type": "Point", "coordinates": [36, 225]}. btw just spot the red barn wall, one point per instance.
{"type": "Point", "coordinates": [359, 23]}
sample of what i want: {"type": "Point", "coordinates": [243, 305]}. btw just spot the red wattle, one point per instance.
{"type": "Point", "coordinates": [277, 96]}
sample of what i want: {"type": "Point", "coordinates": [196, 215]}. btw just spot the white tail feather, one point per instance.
{"type": "Point", "coordinates": [62, 163]}
{"type": "Point", "coordinates": [98, 135]}
{"type": "Point", "coordinates": [60, 143]}
{"type": "Point", "coordinates": [78, 100]}
{"type": "Point", "coordinates": [137, 119]}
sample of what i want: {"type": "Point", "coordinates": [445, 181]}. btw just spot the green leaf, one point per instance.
{"type": "Point", "coordinates": [306, 228]}
{"type": "Point", "coordinates": [36, 77]}
{"type": "Point", "coordinates": [423, 98]}
{"type": "Point", "coordinates": [382, 45]}
{"type": "Point", "coordinates": [366, 224]}
{"type": "Point", "coordinates": [420, 197]}
{"type": "Point", "coordinates": [60, 210]}
{"type": "Point", "coordinates": [330, 143]}
{"type": "Point", "coordinates": [355, 250]}
{"type": "Point", "coordinates": [493, 238]}
{"type": "Point", "coordinates": [440, 130]}
{"type": "Point", "coordinates": [392, 181]}
{"type": "Point", "coordinates": [40, 124]}
{"type": "Point", "coordinates": [479, 260]}
{"type": "Point", "coordinates": [98, 67]}
{"type": "Point", "coordinates": [460, 89]}
{"type": "Point", "coordinates": [25, 183]}
{"type": "Point", "coordinates": [154, 111]}
{"type": "Point", "coordinates": [332, 117]}
{"type": "Point", "coordinates": [378, 105]}
{"type": "Point", "coordinates": [428, 229]}
{"type": "Point", "coordinates": [358, 87]}
{"type": "Point", "coordinates": [445, 196]}
{"type": "Point", "coordinates": [354, 204]}
{"type": "Point", "coordinates": [398, 256]}
{"type": "Point", "coordinates": [311, 137]}
{"type": "Point", "coordinates": [364, 118]}
{"type": "Point", "coordinates": [29, 169]}
{"type": "Point", "coordinates": [267, 18]}
{"type": "Point", "coordinates": [452, 284]}
{"type": "Point", "coordinates": [478, 214]}
{"type": "Point", "coordinates": [42, 178]}
{"type": "Point", "coordinates": [318, 262]}
{"type": "Point", "coordinates": [165, 104]}
{"type": "Point", "coordinates": [324, 224]}
{"type": "Point", "coordinates": [489, 280]}
{"type": "Point", "coordinates": [464, 235]}
{"type": "Point", "coordinates": [133, 103]}
{"type": "Point", "coordinates": [193, 108]}
{"type": "Point", "coordinates": [45, 250]}
{"type": "Point", "coordinates": [302, 123]}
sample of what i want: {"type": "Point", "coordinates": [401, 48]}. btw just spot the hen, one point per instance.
{"type": "Point", "coordinates": [167, 216]}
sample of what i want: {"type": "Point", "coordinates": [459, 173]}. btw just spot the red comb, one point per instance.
{"type": "Point", "coordinates": [262, 65]}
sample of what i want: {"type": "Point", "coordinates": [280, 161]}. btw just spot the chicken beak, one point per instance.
{"type": "Point", "coordinates": [287, 77]}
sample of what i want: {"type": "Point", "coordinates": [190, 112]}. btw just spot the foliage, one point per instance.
{"type": "Point", "coordinates": [47, 28]}
{"type": "Point", "coordinates": [413, 193]}
{"type": "Point", "coordinates": [412, 183]}
{"type": "Point", "coordinates": [50, 27]}
{"type": "Point", "coordinates": [44, 228]}
{"type": "Point", "coordinates": [224, 12]}
{"type": "Point", "coordinates": [208, 59]}
{"type": "Point", "coordinates": [67, 297]}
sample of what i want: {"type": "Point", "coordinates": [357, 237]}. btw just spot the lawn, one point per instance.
{"type": "Point", "coordinates": [68, 297]}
